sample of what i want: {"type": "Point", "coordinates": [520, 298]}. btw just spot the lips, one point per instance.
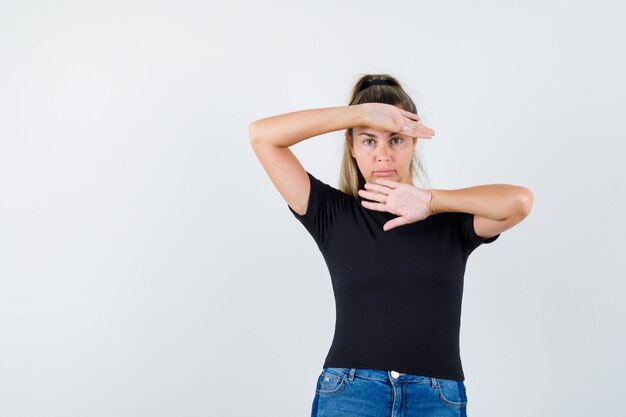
{"type": "Point", "coordinates": [384, 173]}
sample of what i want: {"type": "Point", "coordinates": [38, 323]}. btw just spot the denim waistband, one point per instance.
{"type": "Point", "coordinates": [382, 375]}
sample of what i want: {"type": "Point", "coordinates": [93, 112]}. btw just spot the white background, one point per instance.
{"type": "Point", "coordinates": [148, 267]}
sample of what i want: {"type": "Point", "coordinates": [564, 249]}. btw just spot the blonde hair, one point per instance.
{"type": "Point", "coordinates": [350, 177]}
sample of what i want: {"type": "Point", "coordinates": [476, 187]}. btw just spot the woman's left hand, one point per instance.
{"type": "Point", "coordinates": [410, 203]}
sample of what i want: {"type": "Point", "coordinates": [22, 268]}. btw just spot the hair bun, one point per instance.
{"type": "Point", "coordinates": [376, 81]}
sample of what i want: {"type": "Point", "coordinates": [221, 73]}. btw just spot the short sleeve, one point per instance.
{"type": "Point", "coordinates": [471, 238]}
{"type": "Point", "coordinates": [323, 208]}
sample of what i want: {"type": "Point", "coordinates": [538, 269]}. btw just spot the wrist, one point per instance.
{"type": "Point", "coordinates": [431, 203]}
{"type": "Point", "coordinates": [360, 114]}
{"type": "Point", "coordinates": [444, 201]}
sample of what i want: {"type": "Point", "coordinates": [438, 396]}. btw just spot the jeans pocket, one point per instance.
{"type": "Point", "coordinates": [452, 393]}
{"type": "Point", "coordinates": [331, 381]}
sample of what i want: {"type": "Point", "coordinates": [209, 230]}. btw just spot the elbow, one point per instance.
{"type": "Point", "coordinates": [259, 136]}
{"type": "Point", "coordinates": [255, 134]}
{"type": "Point", "coordinates": [524, 201]}
{"type": "Point", "coordinates": [252, 132]}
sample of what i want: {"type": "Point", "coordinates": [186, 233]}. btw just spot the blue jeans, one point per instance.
{"type": "Point", "coordinates": [359, 392]}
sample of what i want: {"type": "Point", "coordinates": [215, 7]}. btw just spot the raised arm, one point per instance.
{"type": "Point", "coordinates": [271, 137]}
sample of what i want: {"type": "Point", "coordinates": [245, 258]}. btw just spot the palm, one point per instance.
{"type": "Point", "coordinates": [409, 203]}
{"type": "Point", "coordinates": [405, 203]}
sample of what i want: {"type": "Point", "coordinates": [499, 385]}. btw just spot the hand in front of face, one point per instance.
{"type": "Point", "coordinates": [393, 119]}
{"type": "Point", "coordinates": [410, 203]}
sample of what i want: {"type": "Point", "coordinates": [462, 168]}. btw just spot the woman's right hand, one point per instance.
{"type": "Point", "coordinates": [390, 118]}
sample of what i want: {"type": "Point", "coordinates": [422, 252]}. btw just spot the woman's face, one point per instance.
{"type": "Point", "coordinates": [377, 151]}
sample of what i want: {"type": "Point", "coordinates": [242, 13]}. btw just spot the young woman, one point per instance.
{"type": "Point", "coordinates": [396, 262]}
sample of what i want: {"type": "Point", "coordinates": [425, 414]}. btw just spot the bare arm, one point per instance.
{"type": "Point", "coordinates": [495, 201]}
{"type": "Point", "coordinates": [271, 138]}
{"type": "Point", "coordinates": [496, 207]}
{"type": "Point", "coordinates": [288, 129]}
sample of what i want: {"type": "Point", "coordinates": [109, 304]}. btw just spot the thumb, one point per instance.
{"type": "Point", "coordinates": [398, 221]}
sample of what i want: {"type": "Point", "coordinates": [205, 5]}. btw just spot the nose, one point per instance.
{"type": "Point", "coordinates": [383, 153]}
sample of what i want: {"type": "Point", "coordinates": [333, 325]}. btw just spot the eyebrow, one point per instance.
{"type": "Point", "coordinates": [371, 135]}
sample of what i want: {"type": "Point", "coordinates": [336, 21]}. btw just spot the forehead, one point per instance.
{"type": "Point", "coordinates": [374, 132]}
{"type": "Point", "coordinates": [371, 130]}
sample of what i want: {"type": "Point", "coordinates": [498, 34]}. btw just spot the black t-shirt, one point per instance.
{"type": "Point", "coordinates": [397, 293]}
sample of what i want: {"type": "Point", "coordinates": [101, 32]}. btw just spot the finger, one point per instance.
{"type": "Point", "coordinates": [424, 132]}
{"type": "Point", "coordinates": [398, 221]}
{"type": "Point", "coordinates": [412, 116]}
{"type": "Point", "coordinates": [373, 206]}
{"type": "Point", "coordinates": [372, 196]}
{"type": "Point", "coordinates": [387, 183]}
{"type": "Point", "coordinates": [377, 187]}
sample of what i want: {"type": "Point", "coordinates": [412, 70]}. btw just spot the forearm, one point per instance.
{"type": "Point", "coordinates": [288, 129]}
{"type": "Point", "coordinates": [495, 201]}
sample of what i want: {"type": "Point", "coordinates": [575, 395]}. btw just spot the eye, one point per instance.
{"type": "Point", "coordinates": [400, 139]}
{"type": "Point", "coordinates": [368, 140]}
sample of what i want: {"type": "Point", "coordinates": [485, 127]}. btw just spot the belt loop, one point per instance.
{"type": "Point", "coordinates": [351, 376]}
{"type": "Point", "coordinates": [433, 382]}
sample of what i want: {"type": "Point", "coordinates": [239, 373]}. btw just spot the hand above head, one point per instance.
{"type": "Point", "coordinates": [410, 203]}
{"type": "Point", "coordinates": [393, 119]}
